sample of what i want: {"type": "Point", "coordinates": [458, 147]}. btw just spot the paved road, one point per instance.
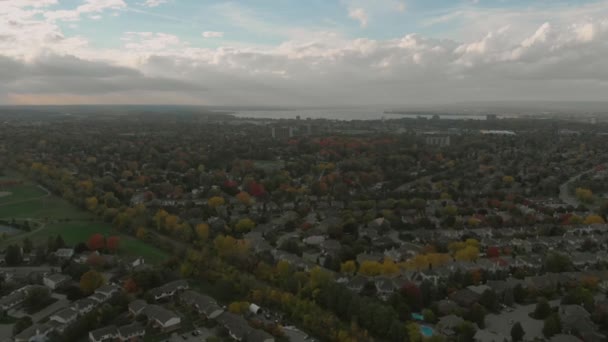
{"type": "Point", "coordinates": [6, 332]}
{"type": "Point", "coordinates": [501, 323]}
{"type": "Point", "coordinates": [564, 191]}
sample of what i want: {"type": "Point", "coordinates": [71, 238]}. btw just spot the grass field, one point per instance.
{"type": "Point", "coordinates": [76, 225]}
{"type": "Point", "coordinates": [42, 208]}
{"type": "Point", "coordinates": [21, 193]}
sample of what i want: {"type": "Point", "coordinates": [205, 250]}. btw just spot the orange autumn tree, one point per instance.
{"type": "Point", "coordinates": [96, 242]}
{"type": "Point", "coordinates": [113, 243]}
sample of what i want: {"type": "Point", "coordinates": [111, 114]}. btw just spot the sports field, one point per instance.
{"type": "Point", "coordinates": [50, 215]}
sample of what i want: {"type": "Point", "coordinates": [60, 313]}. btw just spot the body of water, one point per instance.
{"type": "Point", "coordinates": [9, 230]}
{"type": "Point", "coordinates": [345, 114]}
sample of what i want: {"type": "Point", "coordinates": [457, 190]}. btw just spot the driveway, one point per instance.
{"type": "Point", "coordinates": [189, 338]}
{"type": "Point", "coordinates": [6, 332]}
{"type": "Point", "coordinates": [533, 328]}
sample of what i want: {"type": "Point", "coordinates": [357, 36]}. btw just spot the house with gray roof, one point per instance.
{"type": "Point", "coordinates": [169, 289]}
{"type": "Point", "coordinates": [131, 332]}
{"type": "Point", "coordinates": [237, 326]}
{"type": "Point", "coordinates": [108, 333]}
{"type": "Point", "coordinates": [54, 281]}
{"type": "Point", "coordinates": [137, 306]}
{"type": "Point", "coordinates": [257, 335]}
{"type": "Point", "coordinates": [205, 305]}
{"type": "Point", "coordinates": [447, 325]}
{"type": "Point", "coordinates": [84, 306]}
{"type": "Point", "coordinates": [65, 316]}
{"type": "Point", "coordinates": [162, 318]}
{"type": "Point", "coordinates": [36, 332]}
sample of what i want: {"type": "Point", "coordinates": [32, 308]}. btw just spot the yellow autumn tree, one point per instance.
{"type": "Point", "coordinates": [91, 203]}
{"type": "Point", "coordinates": [584, 195]}
{"type": "Point", "coordinates": [202, 231]}
{"type": "Point", "coordinates": [348, 267]}
{"type": "Point", "coordinates": [370, 268]}
{"type": "Point", "coordinates": [216, 201]}
{"type": "Point", "coordinates": [594, 219]}
{"type": "Point", "coordinates": [244, 225]}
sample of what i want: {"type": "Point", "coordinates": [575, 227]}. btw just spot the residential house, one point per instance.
{"type": "Point", "coordinates": [131, 332]}
{"type": "Point", "coordinates": [447, 307]}
{"type": "Point", "coordinates": [357, 283]}
{"type": "Point", "coordinates": [137, 306]}
{"type": "Point", "coordinates": [257, 335]}
{"type": "Point", "coordinates": [84, 306]}
{"type": "Point", "coordinates": [13, 299]}
{"type": "Point", "coordinates": [169, 289]}
{"type": "Point", "coordinates": [108, 290]}
{"type": "Point", "coordinates": [237, 326]}
{"type": "Point", "coordinates": [54, 281]}
{"type": "Point", "coordinates": [448, 325]}
{"type": "Point", "coordinates": [35, 333]}
{"type": "Point", "coordinates": [384, 287]}
{"type": "Point", "coordinates": [465, 297]}
{"type": "Point", "coordinates": [65, 316]}
{"type": "Point", "coordinates": [479, 289]}
{"type": "Point", "coordinates": [108, 333]}
{"type": "Point", "coordinates": [162, 318]}
{"type": "Point", "coordinates": [98, 297]}
{"type": "Point", "coordinates": [205, 305]}
{"type": "Point", "coordinates": [64, 253]}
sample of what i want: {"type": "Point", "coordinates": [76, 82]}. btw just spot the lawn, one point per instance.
{"type": "Point", "coordinates": [75, 232]}
{"type": "Point", "coordinates": [42, 208]}
{"type": "Point", "coordinates": [76, 225]}
{"type": "Point", "coordinates": [21, 193]}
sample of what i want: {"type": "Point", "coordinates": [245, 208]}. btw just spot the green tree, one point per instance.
{"type": "Point", "coordinates": [517, 332]}
{"type": "Point", "coordinates": [13, 256]}
{"type": "Point", "coordinates": [22, 324]}
{"type": "Point", "coordinates": [466, 331]}
{"type": "Point", "coordinates": [552, 326]}
{"type": "Point", "coordinates": [91, 281]}
{"type": "Point", "coordinates": [489, 300]}
{"type": "Point", "coordinates": [429, 316]}
{"type": "Point", "coordinates": [28, 246]}
{"type": "Point", "coordinates": [542, 310]}
{"type": "Point", "coordinates": [36, 298]}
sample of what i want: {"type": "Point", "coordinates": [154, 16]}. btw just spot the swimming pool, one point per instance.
{"type": "Point", "coordinates": [417, 316]}
{"type": "Point", "coordinates": [426, 331]}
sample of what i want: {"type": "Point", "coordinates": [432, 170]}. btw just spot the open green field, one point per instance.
{"type": "Point", "coordinates": [21, 193]}
{"type": "Point", "coordinates": [42, 208]}
{"type": "Point", "coordinates": [30, 202]}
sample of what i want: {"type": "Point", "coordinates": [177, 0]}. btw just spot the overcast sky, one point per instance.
{"type": "Point", "coordinates": [295, 52]}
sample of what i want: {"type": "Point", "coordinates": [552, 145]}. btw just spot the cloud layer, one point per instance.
{"type": "Point", "coordinates": [499, 55]}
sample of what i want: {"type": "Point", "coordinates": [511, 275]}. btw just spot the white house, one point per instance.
{"type": "Point", "coordinates": [54, 281]}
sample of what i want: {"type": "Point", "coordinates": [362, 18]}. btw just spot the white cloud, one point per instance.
{"type": "Point", "coordinates": [89, 7]}
{"type": "Point", "coordinates": [558, 54]}
{"type": "Point", "coordinates": [359, 15]}
{"type": "Point", "coordinates": [213, 34]}
{"type": "Point", "coordinates": [154, 3]}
